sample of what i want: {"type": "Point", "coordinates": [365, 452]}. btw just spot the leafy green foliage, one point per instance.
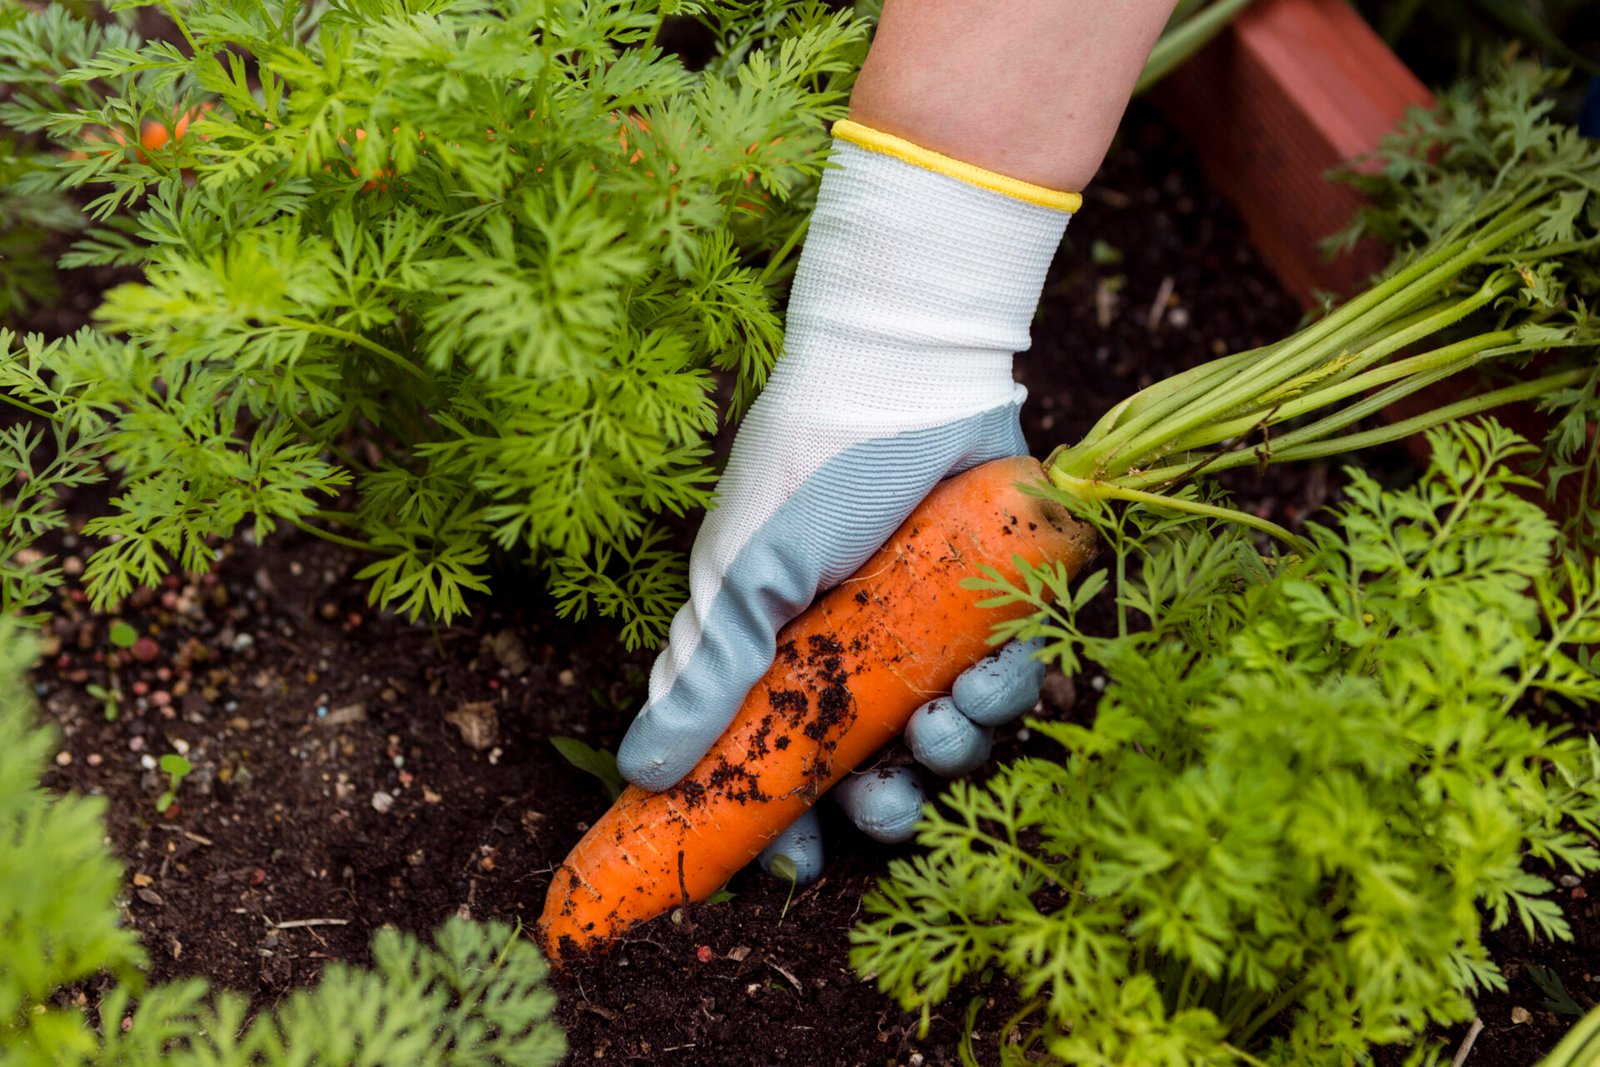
{"type": "Point", "coordinates": [1556, 997]}
{"type": "Point", "coordinates": [476, 997]}
{"type": "Point", "coordinates": [1580, 1047]}
{"type": "Point", "coordinates": [176, 768]}
{"type": "Point", "coordinates": [593, 761]}
{"type": "Point", "coordinates": [1444, 38]}
{"type": "Point", "coordinates": [1497, 227]}
{"type": "Point", "coordinates": [30, 211]}
{"type": "Point", "coordinates": [475, 266]}
{"type": "Point", "coordinates": [1493, 148]}
{"type": "Point", "coordinates": [27, 278]}
{"type": "Point", "coordinates": [58, 882]}
{"type": "Point", "coordinates": [36, 467]}
{"type": "Point", "coordinates": [1307, 785]}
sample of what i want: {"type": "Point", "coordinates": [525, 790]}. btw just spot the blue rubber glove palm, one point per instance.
{"type": "Point", "coordinates": [914, 290]}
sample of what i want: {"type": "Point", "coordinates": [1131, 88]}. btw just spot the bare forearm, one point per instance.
{"type": "Point", "coordinates": [1032, 89]}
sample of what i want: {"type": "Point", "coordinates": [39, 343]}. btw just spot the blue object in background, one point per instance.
{"type": "Point", "coordinates": [1589, 119]}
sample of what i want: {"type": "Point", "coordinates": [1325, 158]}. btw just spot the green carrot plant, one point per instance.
{"type": "Point", "coordinates": [1309, 783]}
{"type": "Point", "coordinates": [476, 996]}
{"type": "Point", "coordinates": [1580, 1047]}
{"type": "Point", "coordinates": [1495, 264]}
{"type": "Point", "coordinates": [176, 768]}
{"type": "Point", "coordinates": [1494, 148]}
{"type": "Point", "coordinates": [445, 283]}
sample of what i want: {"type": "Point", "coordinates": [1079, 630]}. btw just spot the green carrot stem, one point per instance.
{"type": "Point", "coordinates": [1310, 442]}
{"type": "Point", "coordinates": [1313, 345]}
{"type": "Point", "coordinates": [1181, 412]}
{"type": "Point", "coordinates": [1396, 431]}
{"type": "Point", "coordinates": [1088, 489]}
{"type": "Point", "coordinates": [390, 355]}
{"type": "Point", "coordinates": [780, 258]}
{"type": "Point", "coordinates": [1270, 1012]}
{"type": "Point", "coordinates": [1195, 378]}
{"type": "Point", "coordinates": [29, 408]}
{"type": "Point", "coordinates": [1451, 358]}
{"type": "Point", "coordinates": [1186, 33]}
{"type": "Point", "coordinates": [328, 535]}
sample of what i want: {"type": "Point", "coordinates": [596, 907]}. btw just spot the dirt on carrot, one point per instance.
{"type": "Point", "coordinates": [848, 674]}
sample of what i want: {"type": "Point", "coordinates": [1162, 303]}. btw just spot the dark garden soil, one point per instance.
{"type": "Point", "coordinates": [352, 770]}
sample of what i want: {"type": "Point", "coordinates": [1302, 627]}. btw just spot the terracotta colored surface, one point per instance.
{"type": "Point", "coordinates": [1292, 90]}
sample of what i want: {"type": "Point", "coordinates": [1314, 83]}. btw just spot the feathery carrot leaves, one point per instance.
{"type": "Point", "coordinates": [477, 264]}
{"type": "Point", "coordinates": [1304, 789]}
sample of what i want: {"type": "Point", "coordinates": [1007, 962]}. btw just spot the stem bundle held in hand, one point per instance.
{"type": "Point", "coordinates": [1487, 287]}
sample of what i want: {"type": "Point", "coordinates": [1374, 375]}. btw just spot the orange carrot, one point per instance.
{"type": "Point", "coordinates": [848, 674]}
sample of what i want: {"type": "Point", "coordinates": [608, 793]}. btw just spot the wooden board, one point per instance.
{"type": "Point", "coordinates": [1292, 90]}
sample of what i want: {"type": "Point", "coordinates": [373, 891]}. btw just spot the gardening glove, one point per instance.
{"type": "Point", "coordinates": [949, 736]}
{"type": "Point", "coordinates": [918, 281]}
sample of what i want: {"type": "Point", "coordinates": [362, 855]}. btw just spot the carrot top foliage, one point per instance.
{"type": "Point", "coordinates": [1304, 790]}
{"type": "Point", "coordinates": [468, 265]}
{"type": "Point", "coordinates": [1309, 782]}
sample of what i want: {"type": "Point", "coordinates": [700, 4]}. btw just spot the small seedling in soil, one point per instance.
{"type": "Point", "coordinates": [591, 760]}
{"type": "Point", "coordinates": [176, 768]}
{"type": "Point", "coordinates": [110, 699]}
{"type": "Point", "coordinates": [783, 867]}
{"type": "Point", "coordinates": [1556, 997]}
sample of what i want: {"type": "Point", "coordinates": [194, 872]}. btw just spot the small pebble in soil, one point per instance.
{"type": "Point", "coordinates": [915, 1060]}
{"type": "Point", "coordinates": [145, 650]}
{"type": "Point", "coordinates": [63, 758]}
{"type": "Point", "coordinates": [94, 759]}
{"type": "Point", "coordinates": [1570, 881]}
{"type": "Point", "coordinates": [704, 954]}
{"type": "Point", "coordinates": [382, 802]}
{"type": "Point", "coordinates": [1520, 1015]}
{"type": "Point", "coordinates": [342, 715]}
{"type": "Point", "coordinates": [1058, 691]}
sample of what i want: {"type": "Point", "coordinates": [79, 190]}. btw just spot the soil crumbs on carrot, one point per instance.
{"type": "Point", "coordinates": [351, 770]}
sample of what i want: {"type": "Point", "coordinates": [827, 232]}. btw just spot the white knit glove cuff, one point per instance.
{"type": "Point", "coordinates": [914, 290]}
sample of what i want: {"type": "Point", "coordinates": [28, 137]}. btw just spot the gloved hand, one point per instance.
{"type": "Point", "coordinates": [949, 736]}
{"type": "Point", "coordinates": [918, 281]}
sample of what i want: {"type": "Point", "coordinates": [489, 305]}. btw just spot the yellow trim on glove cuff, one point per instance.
{"type": "Point", "coordinates": [898, 147]}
